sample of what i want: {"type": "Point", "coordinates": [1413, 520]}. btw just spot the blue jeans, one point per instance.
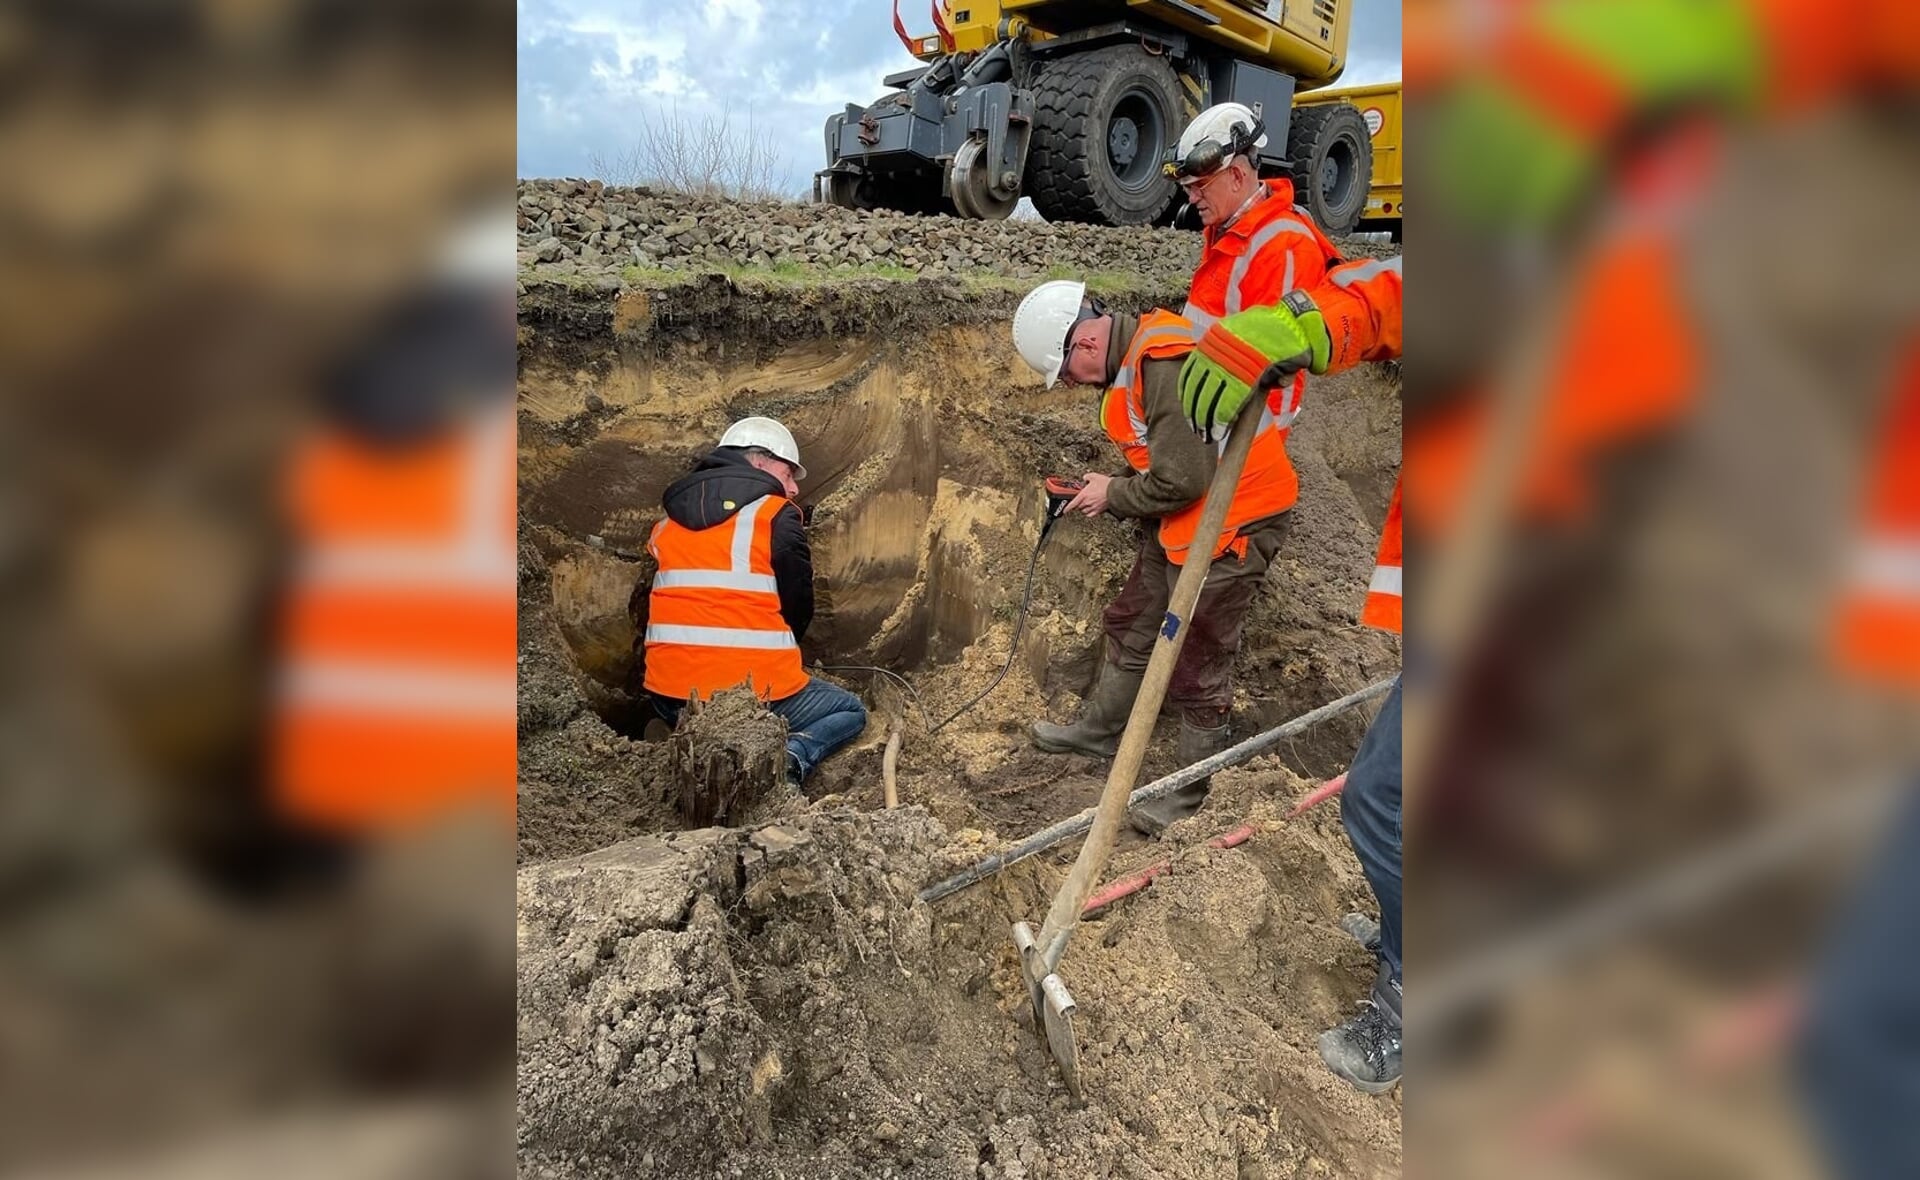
{"type": "Point", "coordinates": [1858, 1051]}
{"type": "Point", "coordinates": [821, 718]}
{"type": "Point", "coordinates": [1370, 811]}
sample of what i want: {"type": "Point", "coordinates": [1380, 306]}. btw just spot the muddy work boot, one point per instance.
{"type": "Point", "coordinates": [1197, 744]}
{"type": "Point", "coordinates": [1366, 1050]}
{"type": "Point", "coordinates": [1102, 716]}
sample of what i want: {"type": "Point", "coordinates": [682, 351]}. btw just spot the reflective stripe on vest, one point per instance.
{"type": "Point", "coordinates": [714, 617]}
{"type": "Point", "coordinates": [1262, 237]}
{"type": "Point", "coordinates": [715, 580]}
{"type": "Point", "coordinates": [1383, 603]}
{"type": "Point", "coordinates": [719, 636]}
{"type": "Point", "coordinates": [1879, 616]}
{"type": "Point", "coordinates": [1267, 487]}
{"type": "Point", "coordinates": [394, 697]}
{"type": "Point", "coordinates": [1347, 276]}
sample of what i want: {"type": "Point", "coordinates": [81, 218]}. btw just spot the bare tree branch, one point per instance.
{"type": "Point", "coordinates": [700, 155]}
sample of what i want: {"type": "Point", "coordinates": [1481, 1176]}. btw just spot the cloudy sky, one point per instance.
{"type": "Point", "coordinates": [589, 68]}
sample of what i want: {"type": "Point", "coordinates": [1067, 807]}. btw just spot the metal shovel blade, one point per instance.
{"type": "Point", "coordinates": [1053, 1006]}
{"type": "Point", "coordinates": [1032, 969]}
{"type": "Point", "coordinates": [1060, 1038]}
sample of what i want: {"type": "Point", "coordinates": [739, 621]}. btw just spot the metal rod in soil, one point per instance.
{"type": "Point", "coordinates": [1073, 826]}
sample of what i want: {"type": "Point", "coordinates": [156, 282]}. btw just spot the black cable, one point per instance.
{"type": "Point", "coordinates": [1013, 647]}
{"type": "Point", "coordinates": [904, 682]}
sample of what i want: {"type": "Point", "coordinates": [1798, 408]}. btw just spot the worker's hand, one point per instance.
{"type": "Point", "coordinates": [1249, 351]}
{"type": "Point", "coordinates": [1092, 500]}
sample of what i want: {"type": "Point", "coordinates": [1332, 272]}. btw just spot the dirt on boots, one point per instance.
{"type": "Point", "coordinates": [1197, 743]}
{"type": "Point", "coordinates": [1102, 717]}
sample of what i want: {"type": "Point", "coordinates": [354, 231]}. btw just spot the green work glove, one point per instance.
{"type": "Point", "coordinates": [1249, 352]}
{"type": "Point", "coordinates": [1516, 149]}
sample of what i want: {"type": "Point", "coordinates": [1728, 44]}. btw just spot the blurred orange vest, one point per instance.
{"type": "Point", "coordinates": [395, 700]}
{"type": "Point", "coordinates": [1268, 485]}
{"type": "Point", "coordinates": [1878, 626]}
{"type": "Point", "coordinates": [1382, 608]}
{"type": "Point", "coordinates": [713, 615]}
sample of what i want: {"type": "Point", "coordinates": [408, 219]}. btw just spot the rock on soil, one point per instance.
{"type": "Point", "coordinates": [580, 227]}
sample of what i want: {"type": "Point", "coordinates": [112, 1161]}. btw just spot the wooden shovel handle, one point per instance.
{"type": "Point", "coordinates": [1125, 774]}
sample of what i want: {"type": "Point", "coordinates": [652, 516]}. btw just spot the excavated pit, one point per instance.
{"type": "Point", "coordinates": [782, 989]}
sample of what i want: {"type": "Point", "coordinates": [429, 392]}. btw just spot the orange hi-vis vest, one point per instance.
{"type": "Point", "coordinates": [395, 694]}
{"type": "Point", "coordinates": [713, 615]}
{"type": "Point", "coordinates": [1268, 485]}
{"type": "Point", "coordinates": [1878, 626]}
{"type": "Point", "coordinates": [1382, 608]}
{"type": "Point", "coordinates": [1271, 249]}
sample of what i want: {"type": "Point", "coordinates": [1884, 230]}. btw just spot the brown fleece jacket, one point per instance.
{"type": "Point", "coordinates": [1179, 465]}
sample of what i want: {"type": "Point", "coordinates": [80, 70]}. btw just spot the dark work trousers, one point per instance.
{"type": "Point", "coordinates": [1202, 686]}
{"type": "Point", "coordinates": [1858, 1054]}
{"type": "Point", "coordinates": [1370, 811]}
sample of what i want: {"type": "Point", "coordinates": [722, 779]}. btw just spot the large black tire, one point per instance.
{"type": "Point", "coordinates": [1103, 121]}
{"type": "Point", "coordinates": [1332, 158]}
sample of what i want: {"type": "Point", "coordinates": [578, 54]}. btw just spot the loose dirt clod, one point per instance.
{"type": "Point", "coordinates": [726, 754]}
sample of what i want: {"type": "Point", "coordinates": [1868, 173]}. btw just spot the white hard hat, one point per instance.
{"type": "Point", "coordinates": [769, 436]}
{"type": "Point", "coordinates": [1041, 323]}
{"type": "Point", "coordinates": [478, 251]}
{"type": "Point", "coordinates": [1217, 124]}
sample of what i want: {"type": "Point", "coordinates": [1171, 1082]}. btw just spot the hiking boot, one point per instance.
{"type": "Point", "coordinates": [1196, 745]}
{"type": "Point", "coordinates": [1366, 1050]}
{"type": "Point", "coordinates": [1102, 716]}
{"type": "Point", "coordinates": [1363, 930]}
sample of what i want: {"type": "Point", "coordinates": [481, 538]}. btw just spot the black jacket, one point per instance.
{"type": "Point", "coordinates": [718, 487]}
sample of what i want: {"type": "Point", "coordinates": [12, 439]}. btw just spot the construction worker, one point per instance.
{"type": "Point", "coordinates": [394, 702]}
{"type": "Point", "coordinates": [734, 593]}
{"type": "Point", "coordinates": [1353, 316]}
{"type": "Point", "coordinates": [1257, 244]}
{"type": "Point", "coordinates": [1062, 334]}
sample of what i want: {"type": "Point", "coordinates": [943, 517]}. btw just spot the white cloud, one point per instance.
{"type": "Point", "coordinates": [589, 69]}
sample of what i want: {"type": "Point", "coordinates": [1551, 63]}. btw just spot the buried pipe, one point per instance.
{"type": "Point", "coordinates": [1133, 883]}
{"type": "Point", "coordinates": [889, 767]}
{"type": "Point", "coordinates": [1076, 825]}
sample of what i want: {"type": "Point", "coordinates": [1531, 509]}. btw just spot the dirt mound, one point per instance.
{"type": "Point", "coordinates": [582, 786]}
{"type": "Point", "coordinates": [775, 1002]}
{"type": "Point", "coordinates": [726, 755]}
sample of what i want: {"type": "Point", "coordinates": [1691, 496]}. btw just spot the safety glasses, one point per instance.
{"type": "Point", "coordinates": [1090, 309]}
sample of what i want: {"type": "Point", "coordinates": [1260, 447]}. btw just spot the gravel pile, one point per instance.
{"type": "Point", "coordinates": [580, 226]}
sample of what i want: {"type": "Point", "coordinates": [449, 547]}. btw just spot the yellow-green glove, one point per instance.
{"type": "Point", "coordinates": [1525, 142]}
{"type": "Point", "coordinates": [1250, 351]}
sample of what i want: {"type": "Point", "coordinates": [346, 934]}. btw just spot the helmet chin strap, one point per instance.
{"type": "Point", "coordinates": [1259, 190]}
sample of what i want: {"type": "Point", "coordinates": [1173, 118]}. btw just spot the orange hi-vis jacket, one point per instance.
{"type": "Point", "coordinates": [1878, 628]}
{"type": "Point", "coordinates": [1360, 303]}
{"type": "Point", "coordinates": [713, 615]}
{"type": "Point", "coordinates": [1267, 487]}
{"type": "Point", "coordinates": [1271, 249]}
{"type": "Point", "coordinates": [395, 700]}
{"type": "Point", "coordinates": [1382, 608]}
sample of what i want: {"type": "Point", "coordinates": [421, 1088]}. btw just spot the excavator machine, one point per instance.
{"type": "Point", "coordinates": [1078, 104]}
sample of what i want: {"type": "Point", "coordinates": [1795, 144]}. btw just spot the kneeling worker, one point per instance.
{"type": "Point", "coordinates": [1062, 334]}
{"type": "Point", "coordinates": [734, 593]}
